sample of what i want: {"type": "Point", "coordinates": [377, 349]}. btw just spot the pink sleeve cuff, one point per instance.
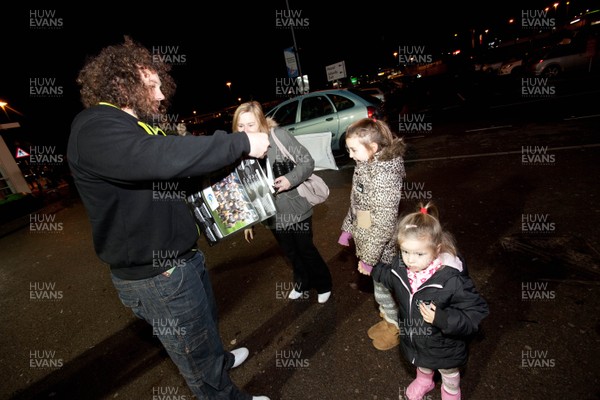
{"type": "Point", "coordinates": [367, 267]}
{"type": "Point", "coordinates": [344, 239]}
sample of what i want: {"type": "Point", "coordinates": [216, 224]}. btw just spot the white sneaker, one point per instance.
{"type": "Point", "coordinates": [240, 356]}
{"type": "Point", "coordinates": [260, 398]}
{"type": "Point", "coordinates": [294, 295]}
{"type": "Point", "coordinates": [323, 297]}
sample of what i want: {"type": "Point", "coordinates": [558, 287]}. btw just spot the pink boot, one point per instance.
{"type": "Point", "coordinates": [420, 386]}
{"type": "Point", "coordinates": [448, 396]}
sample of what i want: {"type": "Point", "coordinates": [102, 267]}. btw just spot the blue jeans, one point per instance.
{"type": "Point", "coordinates": [182, 311]}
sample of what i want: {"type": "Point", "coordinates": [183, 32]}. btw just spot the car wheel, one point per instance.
{"type": "Point", "coordinates": [552, 71]}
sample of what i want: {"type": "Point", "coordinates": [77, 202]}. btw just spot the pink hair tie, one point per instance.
{"type": "Point", "coordinates": [423, 210]}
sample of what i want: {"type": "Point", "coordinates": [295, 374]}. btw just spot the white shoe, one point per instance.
{"type": "Point", "coordinates": [323, 297]}
{"type": "Point", "coordinates": [294, 295]}
{"type": "Point", "coordinates": [240, 355]}
{"type": "Point", "coordinates": [260, 398]}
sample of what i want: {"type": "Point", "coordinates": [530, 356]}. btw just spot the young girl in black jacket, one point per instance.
{"type": "Point", "coordinates": [439, 307]}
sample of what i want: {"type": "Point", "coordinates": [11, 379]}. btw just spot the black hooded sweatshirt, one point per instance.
{"type": "Point", "coordinates": [133, 186]}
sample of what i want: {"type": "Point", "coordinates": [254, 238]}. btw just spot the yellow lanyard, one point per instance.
{"type": "Point", "coordinates": [150, 130]}
{"type": "Point", "coordinates": [153, 130]}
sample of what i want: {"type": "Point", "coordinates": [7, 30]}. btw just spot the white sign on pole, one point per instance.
{"type": "Point", "coordinates": [336, 71]}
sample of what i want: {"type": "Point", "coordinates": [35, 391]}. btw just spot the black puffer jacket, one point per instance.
{"type": "Point", "coordinates": [459, 311]}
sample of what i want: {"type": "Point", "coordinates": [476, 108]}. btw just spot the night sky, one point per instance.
{"type": "Point", "coordinates": [44, 47]}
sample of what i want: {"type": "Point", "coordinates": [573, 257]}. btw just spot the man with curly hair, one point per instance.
{"type": "Point", "coordinates": [122, 166]}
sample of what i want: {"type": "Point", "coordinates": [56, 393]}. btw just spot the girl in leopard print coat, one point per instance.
{"type": "Point", "coordinates": [373, 212]}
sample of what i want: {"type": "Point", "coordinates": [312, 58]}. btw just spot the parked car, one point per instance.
{"type": "Point", "coordinates": [330, 110]}
{"type": "Point", "coordinates": [559, 60]}
{"type": "Point", "coordinates": [488, 65]}
{"type": "Point", "coordinates": [493, 60]}
{"type": "Point", "coordinates": [373, 91]}
{"type": "Point", "coordinates": [512, 67]}
{"type": "Point", "coordinates": [536, 53]}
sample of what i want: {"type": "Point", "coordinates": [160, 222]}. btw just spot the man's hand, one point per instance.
{"type": "Point", "coordinates": [259, 143]}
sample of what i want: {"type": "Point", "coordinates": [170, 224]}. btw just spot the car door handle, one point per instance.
{"type": "Point", "coordinates": [329, 119]}
{"type": "Point", "coordinates": [291, 129]}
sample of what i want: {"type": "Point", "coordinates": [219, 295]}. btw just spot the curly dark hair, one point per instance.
{"type": "Point", "coordinates": [113, 76]}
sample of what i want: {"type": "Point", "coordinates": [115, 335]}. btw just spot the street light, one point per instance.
{"type": "Point", "coordinates": [230, 98]}
{"type": "Point", "coordinates": [4, 105]}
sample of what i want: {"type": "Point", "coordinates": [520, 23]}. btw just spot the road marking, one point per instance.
{"type": "Point", "coordinates": [583, 117]}
{"type": "Point", "coordinates": [542, 99]}
{"type": "Point", "coordinates": [487, 129]}
{"type": "Point", "coordinates": [502, 153]}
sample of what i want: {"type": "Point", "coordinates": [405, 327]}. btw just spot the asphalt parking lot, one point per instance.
{"type": "Point", "coordinates": [65, 334]}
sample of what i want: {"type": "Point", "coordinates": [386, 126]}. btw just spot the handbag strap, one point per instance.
{"type": "Point", "coordinates": [281, 146]}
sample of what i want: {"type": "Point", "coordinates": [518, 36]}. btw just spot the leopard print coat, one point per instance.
{"type": "Point", "coordinates": [376, 189]}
